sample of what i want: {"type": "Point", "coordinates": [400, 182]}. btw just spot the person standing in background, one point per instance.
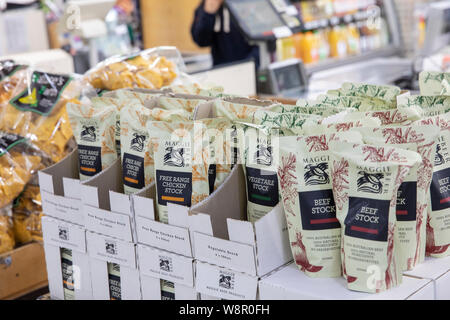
{"type": "Point", "coordinates": [213, 27]}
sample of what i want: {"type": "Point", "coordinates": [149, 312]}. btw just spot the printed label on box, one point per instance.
{"type": "Point", "coordinates": [166, 265]}
{"type": "Point", "coordinates": [229, 254]}
{"type": "Point", "coordinates": [111, 250]}
{"type": "Point", "coordinates": [163, 236]}
{"type": "Point", "coordinates": [62, 234]}
{"type": "Point", "coordinates": [224, 283]}
{"type": "Point", "coordinates": [62, 207]}
{"type": "Point", "coordinates": [108, 223]}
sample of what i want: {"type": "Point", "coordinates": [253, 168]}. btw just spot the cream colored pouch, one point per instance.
{"type": "Point", "coordinates": [306, 192]}
{"type": "Point", "coordinates": [438, 222]}
{"type": "Point", "coordinates": [94, 131]}
{"type": "Point", "coordinates": [414, 192]}
{"type": "Point", "coordinates": [365, 182]}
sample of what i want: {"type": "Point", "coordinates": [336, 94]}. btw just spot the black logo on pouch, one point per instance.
{"type": "Point", "coordinates": [263, 155]}
{"type": "Point", "coordinates": [316, 174]}
{"type": "Point", "coordinates": [174, 157]}
{"type": "Point", "coordinates": [88, 134]}
{"type": "Point", "coordinates": [370, 182]}
{"type": "Point", "coordinates": [438, 158]}
{"type": "Point", "coordinates": [137, 143]}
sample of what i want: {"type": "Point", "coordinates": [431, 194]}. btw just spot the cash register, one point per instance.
{"type": "Point", "coordinates": [263, 22]}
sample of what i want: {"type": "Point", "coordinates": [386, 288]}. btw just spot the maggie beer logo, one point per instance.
{"type": "Point", "coordinates": [263, 155]}
{"type": "Point", "coordinates": [110, 247]}
{"type": "Point", "coordinates": [88, 133]}
{"type": "Point", "coordinates": [165, 264]}
{"type": "Point", "coordinates": [63, 233]}
{"type": "Point", "coordinates": [316, 174]}
{"type": "Point", "coordinates": [438, 157]}
{"type": "Point", "coordinates": [138, 141]}
{"type": "Point", "coordinates": [226, 280]}
{"type": "Point", "coordinates": [174, 157]}
{"type": "Point", "coordinates": [370, 182]}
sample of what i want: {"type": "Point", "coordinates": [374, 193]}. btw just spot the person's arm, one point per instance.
{"type": "Point", "coordinates": [202, 29]}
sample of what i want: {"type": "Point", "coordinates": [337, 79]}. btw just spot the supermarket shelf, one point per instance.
{"type": "Point", "coordinates": [338, 62]}
{"type": "Point", "coordinates": [334, 21]}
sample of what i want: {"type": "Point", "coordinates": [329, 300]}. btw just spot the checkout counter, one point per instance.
{"type": "Point", "coordinates": [264, 21]}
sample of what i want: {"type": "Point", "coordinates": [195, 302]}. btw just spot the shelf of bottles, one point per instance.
{"type": "Point", "coordinates": [332, 30]}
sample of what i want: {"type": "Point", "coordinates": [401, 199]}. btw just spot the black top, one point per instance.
{"type": "Point", "coordinates": [221, 33]}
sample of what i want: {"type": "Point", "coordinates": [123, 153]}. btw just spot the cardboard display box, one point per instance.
{"type": "Point", "coordinates": [173, 237]}
{"type": "Point", "coordinates": [103, 250]}
{"type": "Point", "coordinates": [59, 234]}
{"type": "Point", "coordinates": [438, 271]}
{"type": "Point", "coordinates": [22, 270]}
{"type": "Point", "coordinates": [221, 236]}
{"type": "Point", "coordinates": [289, 283]}
{"type": "Point", "coordinates": [106, 209]}
{"type": "Point", "coordinates": [60, 190]}
{"type": "Point", "coordinates": [155, 265]}
{"type": "Point", "coordinates": [218, 230]}
{"type": "Point", "coordinates": [218, 282]}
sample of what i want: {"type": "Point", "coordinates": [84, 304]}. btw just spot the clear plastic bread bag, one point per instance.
{"type": "Point", "coordinates": [151, 69]}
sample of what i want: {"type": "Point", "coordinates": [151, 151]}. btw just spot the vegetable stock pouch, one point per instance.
{"type": "Point", "coordinates": [365, 182]}
{"type": "Point", "coordinates": [433, 83]}
{"type": "Point", "coordinates": [94, 130]}
{"type": "Point", "coordinates": [414, 192]}
{"type": "Point", "coordinates": [321, 110]}
{"type": "Point", "coordinates": [438, 222]}
{"type": "Point", "coordinates": [261, 152]}
{"type": "Point", "coordinates": [388, 94]}
{"type": "Point", "coordinates": [137, 156]}
{"type": "Point", "coordinates": [183, 157]}
{"type": "Point", "coordinates": [306, 192]}
{"type": "Point", "coordinates": [293, 123]}
{"type": "Point", "coordinates": [359, 103]}
{"type": "Point", "coordinates": [430, 105]}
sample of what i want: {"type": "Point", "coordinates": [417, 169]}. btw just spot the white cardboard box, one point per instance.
{"type": "Point", "coordinates": [438, 271]}
{"type": "Point", "coordinates": [106, 209]}
{"type": "Point", "coordinates": [213, 281]}
{"type": "Point", "coordinates": [222, 238]}
{"type": "Point", "coordinates": [60, 190]}
{"type": "Point", "coordinates": [173, 237]}
{"type": "Point", "coordinates": [103, 249]}
{"type": "Point", "coordinates": [214, 230]}
{"type": "Point", "coordinates": [155, 264]}
{"type": "Point", "coordinates": [289, 283]}
{"type": "Point", "coordinates": [59, 234]}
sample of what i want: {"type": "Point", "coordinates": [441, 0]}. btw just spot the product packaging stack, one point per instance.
{"type": "Point", "coordinates": [176, 191]}
{"type": "Point", "coordinates": [34, 134]}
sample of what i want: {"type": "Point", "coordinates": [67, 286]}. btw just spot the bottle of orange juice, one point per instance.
{"type": "Point", "coordinates": [297, 38]}
{"type": "Point", "coordinates": [309, 50]}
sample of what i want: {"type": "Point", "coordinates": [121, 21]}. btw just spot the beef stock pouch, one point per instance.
{"type": "Point", "coordinates": [414, 192]}
{"type": "Point", "coordinates": [306, 191]}
{"type": "Point", "coordinates": [365, 181]}
{"type": "Point", "coordinates": [438, 222]}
